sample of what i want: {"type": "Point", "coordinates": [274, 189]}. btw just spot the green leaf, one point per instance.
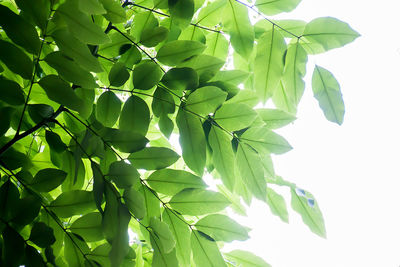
{"type": "Point", "coordinates": [233, 117]}
{"type": "Point", "coordinates": [38, 11]}
{"type": "Point", "coordinates": [277, 205]}
{"type": "Point", "coordinates": [19, 30]}
{"type": "Point", "coordinates": [326, 90]}
{"type": "Point", "coordinates": [323, 34]}
{"type": "Point", "coordinates": [115, 13]}
{"type": "Point", "coordinates": [126, 141]}
{"type": "Point", "coordinates": [16, 60]}
{"type": "Point", "coordinates": [275, 118]}
{"type": "Point", "coordinates": [181, 79]}
{"type": "Point", "coordinates": [217, 45]}
{"type": "Point", "coordinates": [118, 75]}
{"type": "Point", "coordinates": [9, 197]}
{"type": "Point", "coordinates": [222, 228]}
{"type": "Point", "coordinates": [295, 70]}
{"type": "Point", "coordinates": [123, 174]}
{"type": "Point", "coordinates": [163, 102]}
{"type": "Point", "coordinates": [287, 27]}
{"type": "Point", "coordinates": [5, 123]}
{"type": "Point", "coordinates": [181, 233]}
{"type": "Point", "coordinates": [205, 100]}
{"type": "Point", "coordinates": [166, 125]}
{"type": "Point", "coordinates": [27, 210]}
{"type": "Point", "coordinates": [59, 91]}
{"type": "Point", "coordinates": [42, 235]}
{"type": "Point", "coordinates": [153, 158]}
{"type": "Point", "coordinates": [77, 50]}
{"type": "Point", "coordinates": [146, 75]}
{"type": "Point", "coordinates": [205, 250]}
{"type": "Point", "coordinates": [131, 57]}
{"type": "Point", "coordinates": [173, 53]}
{"type": "Point", "coordinates": [11, 92]}
{"type": "Point", "coordinates": [160, 258]}
{"type": "Point", "coordinates": [74, 250]}
{"type": "Point", "coordinates": [273, 7]}
{"type": "Point", "coordinates": [206, 66]}
{"type": "Point", "coordinates": [181, 11]}
{"type": "Point", "coordinates": [13, 247]}
{"type": "Point", "coordinates": [92, 7]}
{"type": "Point", "coordinates": [108, 108]}
{"type": "Point", "coordinates": [48, 179]}
{"type": "Point", "coordinates": [234, 77]}
{"type": "Point", "coordinates": [306, 205]}
{"type": "Point", "coordinates": [152, 37]}
{"type": "Point", "coordinates": [223, 156]}
{"type": "Point", "coordinates": [80, 24]}
{"type": "Point", "coordinates": [135, 202]}
{"type": "Point", "coordinates": [163, 235]}
{"type": "Point", "coordinates": [211, 14]}
{"type": "Point", "coordinates": [120, 244]}
{"type": "Point", "coordinates": [268, 64]}
{"type": "Point", "coordinates": [251, 170]}
{"type": "Point", "coordinates": [32, 257]}
{"type": "Point", "coordinates": [245, 259]}
{"type": "Point", "coordinates": [143, 21]}
{"type": "Point", "coordinates": [265, 141]}
{"type": "Point", "coordinates": [236, 21]}
{"type": "Point", "coordinates": [170, 181]}
{"type": "Point", "coordinates": [73, 202]}
{"type": "Point", "coordinates": [70, 70]}
{"type": "Point", "coordinates": [39, 112]}
{"type": "Point", "coordinates": [88, 227]}
{"type": "Point", "coordinates": [135, 116]}
{"type": "Point", "coordinates": [198, 202]}
{"type": "Point", "coordinates": [192, 141]}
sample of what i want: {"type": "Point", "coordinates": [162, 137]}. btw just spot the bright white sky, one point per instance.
{"type": "Point", "coordinates": [353, 169]}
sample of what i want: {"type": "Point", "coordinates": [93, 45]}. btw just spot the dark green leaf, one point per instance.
{"type": "Point", "coordinates": [166, 125]}
{"type": "Point", "coordinates": [198, 202]}
{"type": "Point", "coordinates": [37, 11]}
{"type": "Point", "coordinates": [89, 227]}
{"type": "Point", "coordinates": [126, 141]}
{"type": "Point", "coordinates": [16, 60]}
{"type": "Point", "coordinates": [181, 79]}
{"type": "Point", "coordinates": [146, 75]}
{"type": "Point", "coordinates": [13, 248]}
{"type": "Point", "coordinates": [152, 37]}
{"type": "Point", "coordinates": [33, 258]}
{"type": "Point", "coordinates": [27, 210]}
{"type": "Point", "coordinates": [19, 30]}
{"type": "Point", "coordinates": [135, 115]}
{"type": "Point", "coordinates": [9, 199]}
{"type": "Point", "coordinates": [118, 75]}
{"type": "Point", "coordinates": [173, 53]}
{"type": "Point", "coordinates": [42, 235]}
{"type": "Point", "coordinates": [55, 142]}
{"type": "Point", "coordinates": [108, 108]}
{"type": "Point", "coordinates": [153, 158]}
{"type": "Point", "coordinates": [39, 112]}
{"type": "Point", "coordinates": [170, 182]}
{"type": "Point", "coordinates": [73, 202]}
{"type": "Point", "coordinates": [206, 66]}
{"type": "Point", "coordinates": [123, 174]}
{"type": "Point", "coordinates": [163, 102]}
{"type": "Point", "coordinates": [10, 92]}
{"type": "Point", "coordinates": [5, 122]}
{"type": "Point", "coordinates": [48, 179]}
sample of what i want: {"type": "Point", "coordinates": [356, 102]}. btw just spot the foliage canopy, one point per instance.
{"type": "Point", "coordinates": [91, 91]}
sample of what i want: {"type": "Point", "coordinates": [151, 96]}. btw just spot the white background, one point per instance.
{"type": "Point", "coordinates": [353, 169]}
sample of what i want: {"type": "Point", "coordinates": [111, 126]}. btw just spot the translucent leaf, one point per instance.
{"type": "Point", "coordinates": [126, 141]}
{"type": "Point", "coordinates": [268, 64]}
{"type": "Point", "coordinates": [152, 37]}
{"type": "Point", "coordinates": [118, 75]}
{"type": "Point", "coordinates": [193, 33]}
{"type": "Point", "coordinates": [69, 70]}
{"type": "Point", "coordinates": [233, 117]}
{"type": "Point", "coordinates": [246, 97]}
{"type": "Point", "coordinates": [173, 53]}
{"type": "Point", "coordinates": [11, 92]}
{"type": "Point", "coordinates": [120, 244]}
{"type": "Point", "coordinates": [123, 174]}
{"type": "Point", "coordinates": [326, 90]}
{"type": "Point", "coordinates": [192, 141]}
{"type": "Point", "coordinates": [211, 14]}
{"type": "Point", "coordinates": [222, 228]}
{"type": "Point", "coordinates": [287, 27]}
{"type": "Point", "coordinates": [170, 181]}
{"type": "Point", "coordinates": [143, 21]}
{"type": "Point", "coordinates": [146, 75]}
{"type": "Point", "coordinates": [275, 118]}
{"type": "Point", "coordinates": [223, 156]}
{"type": "Point", "coordinates": [205, 250]}
{"type": "Point", "coordinates": [251, 171]}
{"type": "Point", "coordinates": [323, 34]}
{"type": "Point", "coordinates": [282, 100]}
{"type": "Point", "coordinates": [273, 7]}
{"type": "Point", "coordinates": [163, 235]}
{"type": "Point", "coordinates": [38, 11]}
{"type": "Point", "coordinates": [181, 79]}
{"type": "Point", "coordinates": [198, 202]}
{"type": "Point", "coordinates": [236, 21]}
{"type": "Point", "coordinates": [135, 116]}
{"type": "Point", "coordinates": [48, 179]}
{"type": "Point", "coordinates": [310, 214]}
{"type": "Point", "coordinates": [77, 50]}
{"type": "Point", "coordinates": [217, 45]}
{"type": "Point", "coordinates": [115, 13]}
{"type": "Point", "coordinates": [234, 77]}
{"type": "Point", "coordinates": [265, 141]}
{"type": "Point", "coordinates": [153, 158]}
{"type": "Point", "coordinates": [166, 125]}
{"type": "Point", "coordinates": [16, 60]}
{"type": "Point", "coordinates": [72, 202]}
{"type": "Point", "coordinates": [277, 205]}
{"type": "Point", "coordinates": [108, 108]}
{"type": "Point", "coordinates": [42, 235]}
{"type": "Point", "coordinates": [74, 249]}
{"type": "Point", "coordinates": [92, 7]}
{"type": "Point", "coordinates": [135, 202]}
{"type": "Point", "coordinates": [181, 11]}
{"type": "Point", "coordinates": [19, 30]}
{"type": "Point", "coordinates": [89, 227]}
{"type": "Point", "coordinates": [205, 100]}
{"type": "Point", "coordinates": [131, 57]}
{"type": "Point", "coordinates": [245, 259]}
{"type": "Point", "coordinates": [163, 102]}
{"type": "Point", "coordinates": [80, 24]}
{"type": "Point", "coordinates": [206, 66]}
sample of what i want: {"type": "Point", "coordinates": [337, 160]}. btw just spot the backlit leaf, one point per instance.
{"type": "Point", "coordinates": [153, 158]}
{"type": "Point", "coordinates": [174, 52]}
